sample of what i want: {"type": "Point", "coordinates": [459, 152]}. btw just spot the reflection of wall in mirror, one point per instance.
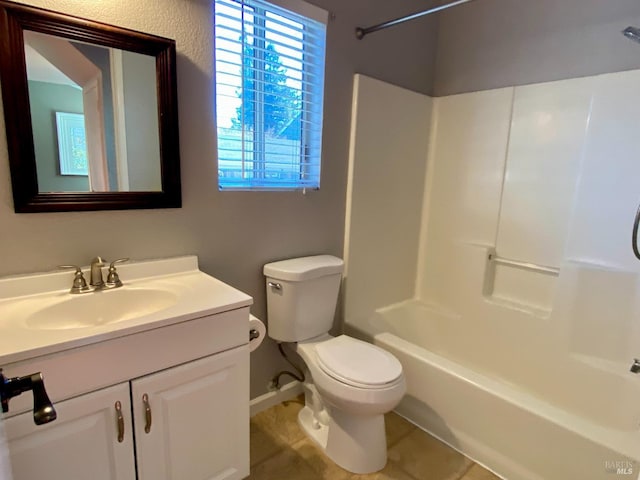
{"type": "Point", "coordinates": [46, 99]}
{"type": "Point", "coordinates": [99, 56]}
{"type": "Point", "coordinates": [141, 121]}
{"type": "Point", "coordinates": [52, 59]}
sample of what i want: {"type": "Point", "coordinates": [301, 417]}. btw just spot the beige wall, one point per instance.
{"type": "Point", "coordinates": [496, 43]}
{"type": "Point", "coordinates": [233, 233]}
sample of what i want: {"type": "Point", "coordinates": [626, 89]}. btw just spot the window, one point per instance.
{"type": "Point", "coordinates": [269, 93]}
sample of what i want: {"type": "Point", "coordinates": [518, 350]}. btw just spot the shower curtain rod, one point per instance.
{"type": "Point", "coordinates": [361, 32]}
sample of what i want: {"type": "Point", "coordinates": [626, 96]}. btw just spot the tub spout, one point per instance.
{"type": "Point", "coordinates": [635, 367]}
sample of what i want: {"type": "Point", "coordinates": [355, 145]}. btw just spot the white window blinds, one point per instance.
{"type": "Point", "coordinates": [269, 93]}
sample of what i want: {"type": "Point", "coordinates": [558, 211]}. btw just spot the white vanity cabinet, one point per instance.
{"type": "Point", "coordinates": [150, 380]}
{"type": "Point", "coordinates": [82, 443]}
{"type": "Point", "coordinates": [192, 421]}
{"type": "Point", "coordinates": [188, 383]}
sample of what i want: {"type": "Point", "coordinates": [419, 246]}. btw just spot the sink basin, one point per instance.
{"type": "Point", "coordinates": [39, 316]}
{"type": "Point", "coordinates": [90, 310]}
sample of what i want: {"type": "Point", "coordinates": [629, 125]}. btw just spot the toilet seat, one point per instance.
{"type": "Point", "coordinates": [357, 363]}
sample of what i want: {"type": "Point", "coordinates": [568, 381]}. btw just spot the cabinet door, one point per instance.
{"type": "Point", "coordinates": [199, 416]}
{"type": "Point", "coordinates": [82, 443]}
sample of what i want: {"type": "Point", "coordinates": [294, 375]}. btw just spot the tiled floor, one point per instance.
{"type": "Point", "coordinates": [281, 451]}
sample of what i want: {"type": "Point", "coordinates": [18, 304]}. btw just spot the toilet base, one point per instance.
{"type": "Point", "coordinates": [315, 430]}
{"type": "Point", "coordinates": [356, 443]}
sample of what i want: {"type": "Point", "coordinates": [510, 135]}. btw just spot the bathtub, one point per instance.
{"type": "Point", "coordinates": [511, 427]}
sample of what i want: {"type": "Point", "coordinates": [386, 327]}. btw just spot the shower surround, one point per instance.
{"type": "Point", "coordinates": [488, 247]}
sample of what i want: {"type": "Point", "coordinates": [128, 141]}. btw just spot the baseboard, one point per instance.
{"type": "Point", "coordinates": [269, 399]}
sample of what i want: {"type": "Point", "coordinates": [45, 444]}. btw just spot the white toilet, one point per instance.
{"type": "Point", "coordinates": [349, 384]}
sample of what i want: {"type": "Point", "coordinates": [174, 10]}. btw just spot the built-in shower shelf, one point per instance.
{"type": "Point", "coordinates": [532, 267]}
{"type": "Point", "coordinates": [518, 285]}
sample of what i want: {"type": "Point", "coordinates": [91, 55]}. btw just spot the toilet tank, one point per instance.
{"type": "Point", "coordinates": [301, 296]}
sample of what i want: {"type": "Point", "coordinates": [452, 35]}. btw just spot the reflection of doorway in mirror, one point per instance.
{"type": "Point", "coordinates": [72, 144]}
{"type": "Point", "coordinates": [62, 56]}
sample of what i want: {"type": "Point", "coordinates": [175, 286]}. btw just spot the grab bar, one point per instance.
{"type": "Point", "coordinates": [525, 265]}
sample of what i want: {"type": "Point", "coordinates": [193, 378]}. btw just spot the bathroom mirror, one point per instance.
{"type": "Point", "coordinates": [90, 112]}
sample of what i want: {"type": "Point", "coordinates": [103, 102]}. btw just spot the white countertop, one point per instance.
{"type": "Point", "coordinates": [198, 294]}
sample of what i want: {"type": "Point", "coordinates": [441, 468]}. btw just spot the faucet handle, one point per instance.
{"type": "Point", "coordinates": [112, 278]}
{"type": "Point", "coordinates": [120, 260]}
{"type": "Point", "coordinates": [79, 282]}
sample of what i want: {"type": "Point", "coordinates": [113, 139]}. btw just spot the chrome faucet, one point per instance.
{"type": "Point", "coordinates": [96, 280]}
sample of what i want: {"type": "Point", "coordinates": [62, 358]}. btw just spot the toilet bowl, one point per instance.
{"type": "Point", "coordinates": [344, 405]}
{"type": "Point", "coordinates": [353, 375]}
{"type": "Point", "coordinates": [349, 384]}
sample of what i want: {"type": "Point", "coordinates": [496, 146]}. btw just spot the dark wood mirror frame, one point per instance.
{"type": "Point", "coordinates": [14, 20]}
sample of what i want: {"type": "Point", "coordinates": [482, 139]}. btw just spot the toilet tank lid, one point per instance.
{"type": "Point", "coordinates": [304, 268]}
